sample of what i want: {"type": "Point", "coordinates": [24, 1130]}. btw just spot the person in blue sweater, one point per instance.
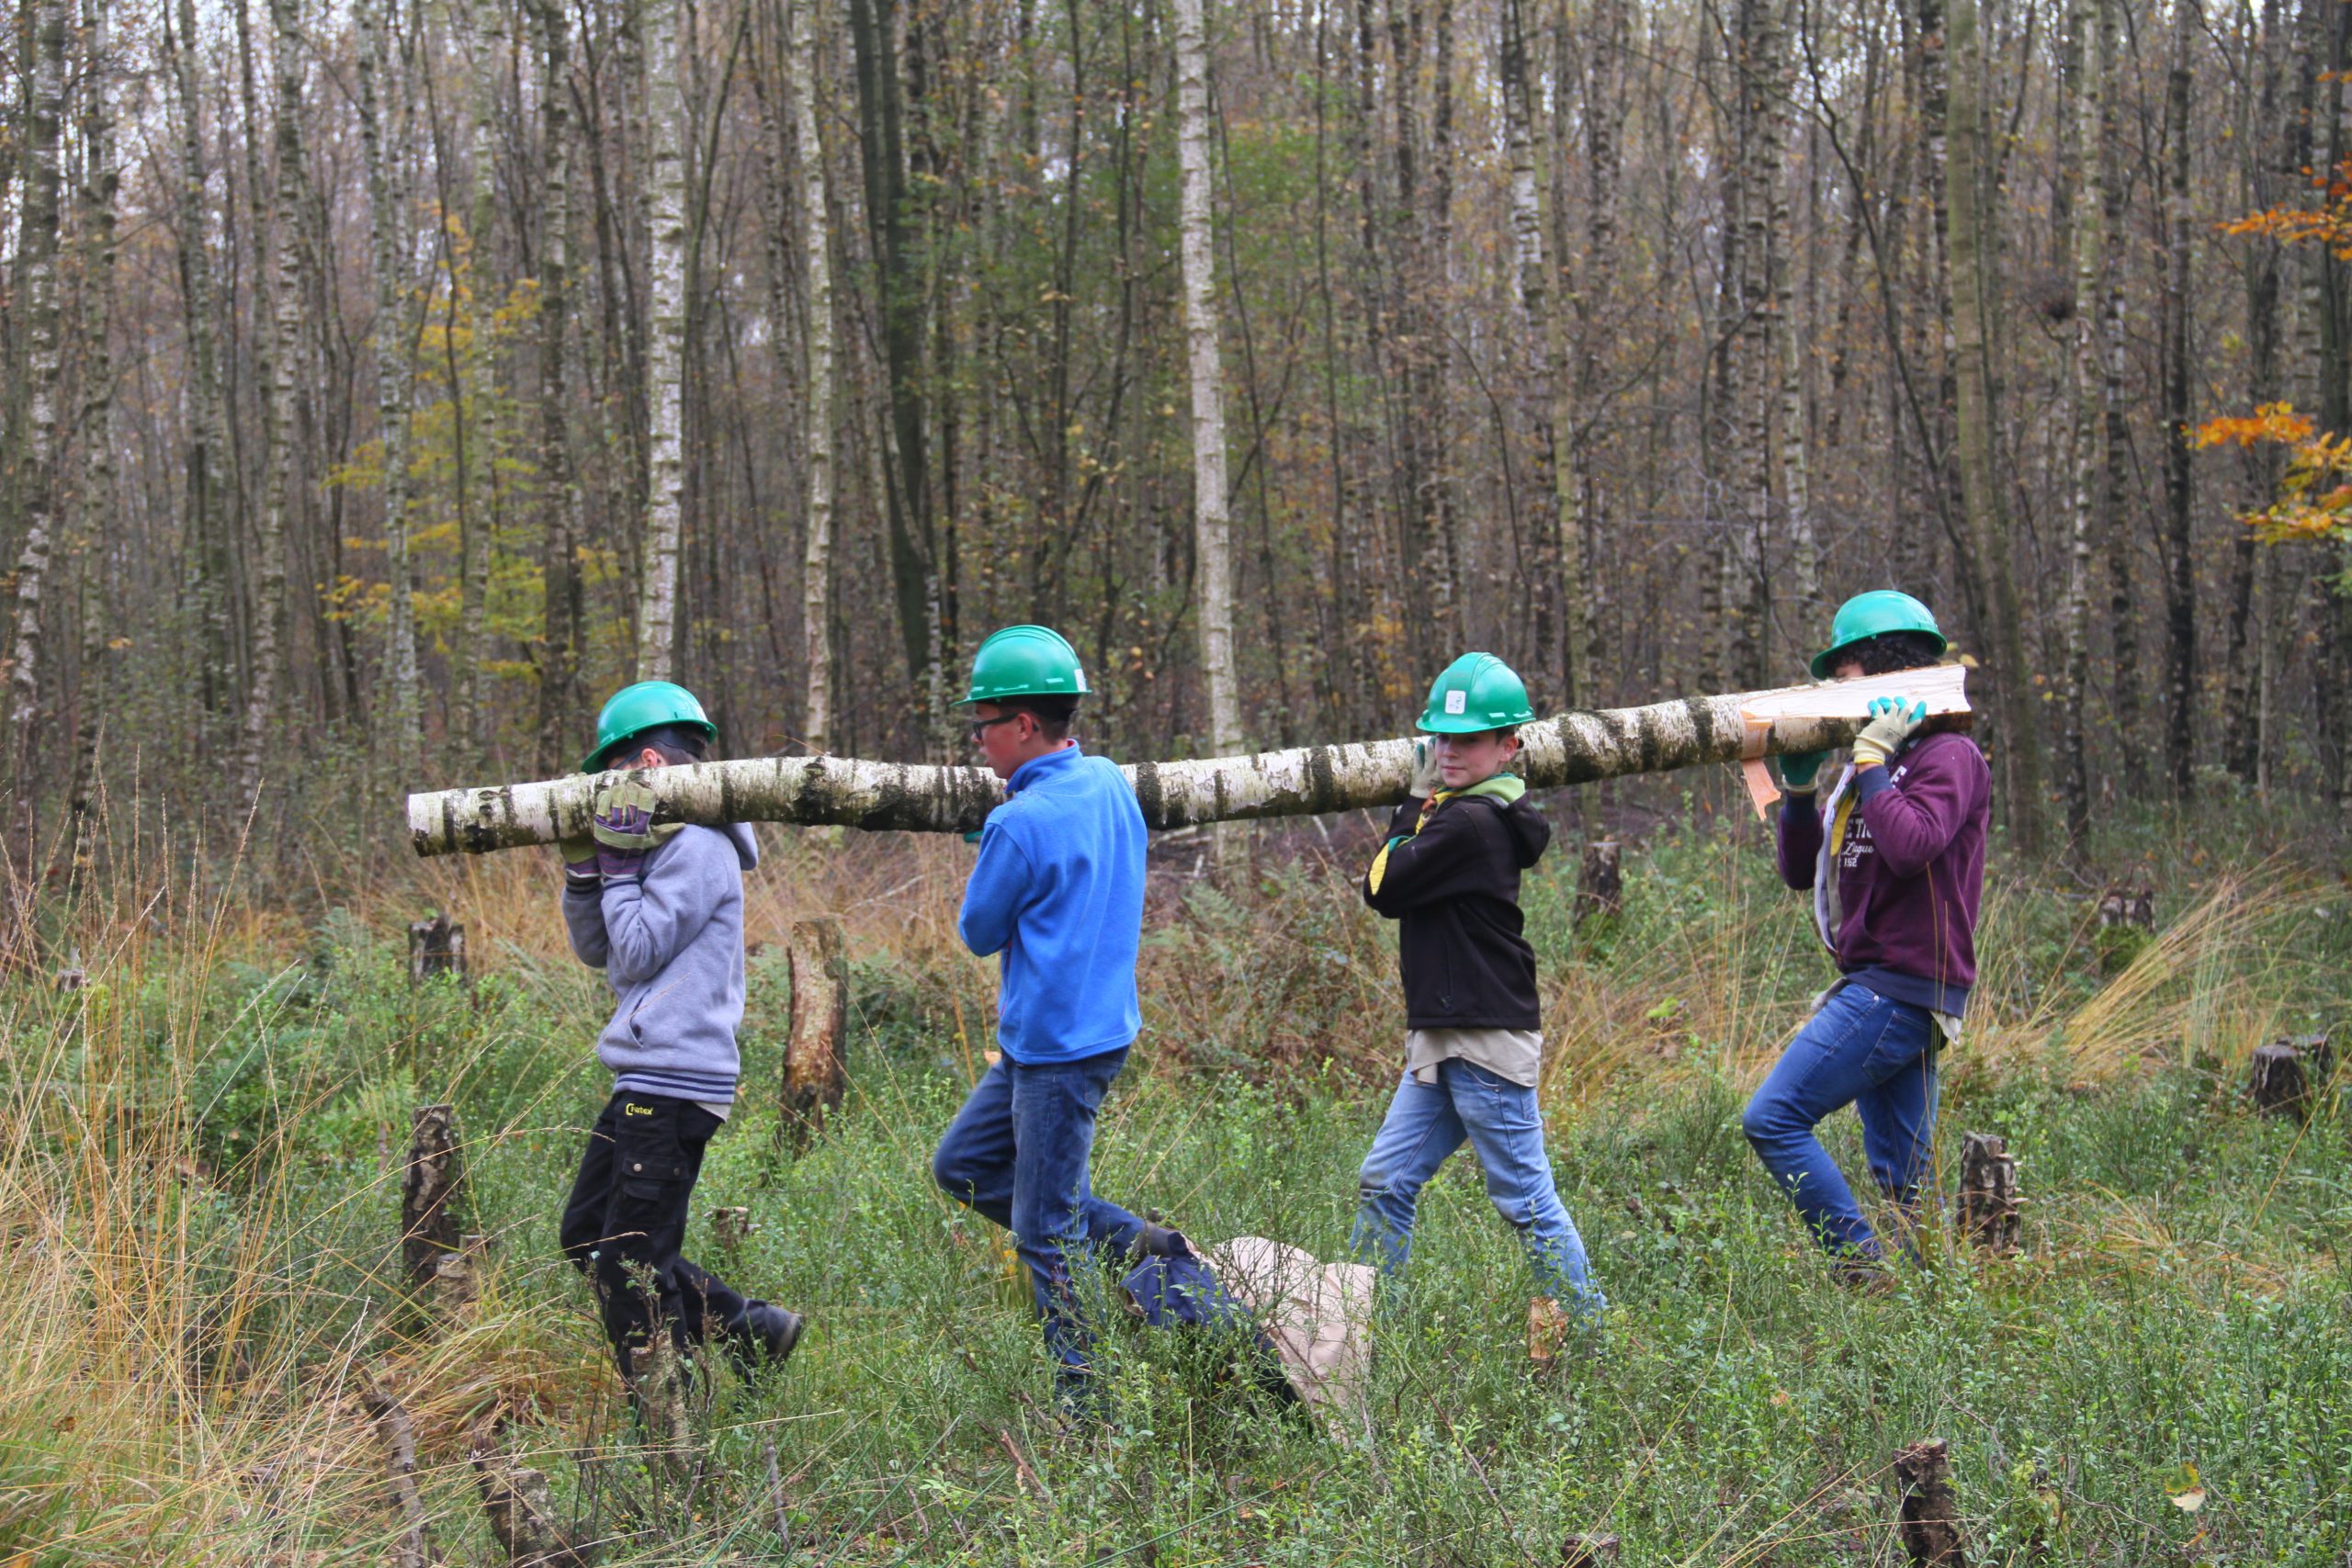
{"type": "Point", "coordinates": [1057, 894]}
{"type": "Point", "coordinates": [658, 908]}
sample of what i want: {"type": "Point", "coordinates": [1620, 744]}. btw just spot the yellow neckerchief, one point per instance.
{"type": "Point", "coordinates": [1505, 788]}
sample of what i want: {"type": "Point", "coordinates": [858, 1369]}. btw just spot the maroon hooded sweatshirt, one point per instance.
{"type": "Point", "coordinates": [1910, 871]}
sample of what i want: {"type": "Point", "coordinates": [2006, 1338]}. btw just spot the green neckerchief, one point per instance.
{"type": "Point", "coordinates": [1505, 788]}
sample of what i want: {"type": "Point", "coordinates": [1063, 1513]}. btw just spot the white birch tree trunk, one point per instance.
{"type": "Point", "coordinates": [285, 318]}
{"type": "Point", "coordinates": [1804, 554]}
{"type": "Point", "coordinates": [656, 615]}
{"type": "Point", "coordinates": [37, 487]}
{"type": "Point", "coordinates": [561, 600]}
{"type": "Point", "coordinates": [208, 415]}
{"type": "Point", "coordinates": [1575, 747]}
{"type": "Point", "coordinates": [800, 49]}
{"type": "Point", "coordinates": [93, 523]}
{"type": "Point", "coordinates": [1212, 524]}
{"type": "Point", "coordinates": [379, 85]}
{"type": "Point", "coordinates": [2089, 417]}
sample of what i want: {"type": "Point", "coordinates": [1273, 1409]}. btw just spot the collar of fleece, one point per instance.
{"type": "Point", "coordinates": [1505, 788]}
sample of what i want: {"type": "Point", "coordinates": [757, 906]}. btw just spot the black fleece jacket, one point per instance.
{"type": "Point", "coordinates": [1452, 888]}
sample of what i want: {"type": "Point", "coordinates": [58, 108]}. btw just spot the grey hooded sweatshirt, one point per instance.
{"type": "Point", "coordinates": [671, 945]}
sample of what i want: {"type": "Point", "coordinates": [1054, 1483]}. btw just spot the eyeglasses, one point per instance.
{"type": "Point", "coordinates": [981, 726]}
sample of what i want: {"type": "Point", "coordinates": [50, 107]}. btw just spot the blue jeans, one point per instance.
{"type": "Point", "coordinates": [1499, 1118]}
{"type": "Point", "coordinates": [1017, 1154]}
{"type": "Point", "coordinates": [1878, 1055]}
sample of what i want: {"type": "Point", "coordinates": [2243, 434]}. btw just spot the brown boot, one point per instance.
{"type": "Point", "coordinates": [1548, 1328]}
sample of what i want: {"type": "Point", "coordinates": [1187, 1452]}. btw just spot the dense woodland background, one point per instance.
{"type": "Point", "coordinates": [393, 382]}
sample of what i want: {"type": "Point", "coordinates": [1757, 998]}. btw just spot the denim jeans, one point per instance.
{"type": "Point", "coordinates": [628, 1213]}
{"type": "Point", "coordinates": [1878, 1055]}
{"type": "Point", "coordinates": [1500, 1121]}
{"type": "Point", "coordinates": [1017, 1154]}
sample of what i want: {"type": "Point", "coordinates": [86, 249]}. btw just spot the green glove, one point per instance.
{"type": "Point", "coordinates": [1426, 777]}
{"type": "Point", "coordinates": [578, 856]}
{"type": "Point", "coordinates": [622, 816]}
{"type": "Point", "coordinates": [1892, 720]}
{"type": "Point", "coordinates": [1801, 770]}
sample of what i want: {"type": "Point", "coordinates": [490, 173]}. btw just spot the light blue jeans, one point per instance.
{"type": "Point", "coordinates": [1500, 1121]}
{"type": "Point", "coordinates": [1878, 1055]}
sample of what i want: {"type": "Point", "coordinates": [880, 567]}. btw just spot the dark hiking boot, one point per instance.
{"type": "Point", "coordinates": [1863, 1276]}
{"type": "Point", "coordinates": [767, 1338]}
{"type": "Point", "coordinates": [1158, 1241]}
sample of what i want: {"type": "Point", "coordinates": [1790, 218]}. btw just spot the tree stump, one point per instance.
{"type": "Point", "coordinates": [1989, 1205]}
{"type": "Point", "coordinates": [457, 1278]}
{"type": "Point", "coordinates": [815, 1068]}
{"type": "Point", "coordinates": [2278, 1084]}
{"type": "Point", "coordinates": [730, 1228]}
{"type": "Point", "coordinates": [1930, 1523]}
{"type": "Point", "coordinates": [521, 1506]}
{"type": "Point", "coordinates": [1588, 1550]}
{"type": "Point", "coordinates": [2319, 1057]}
{"type": "Point", "coordinates": [436, 946]}
{"type": "Point", "coordinates": [2127, 923]}
{"type": "Point", "coordinates": [430, 1183]}
{"type": "Point", "coordinates": [1601, 886]}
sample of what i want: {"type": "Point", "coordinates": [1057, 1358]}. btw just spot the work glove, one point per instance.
{"type": "Point", "coordinates": [579, 855]}
{"type": "Point", "coordinates": [622, 825]}
{"type": "Point", "coordinates": [1426, 778]}
{"type": "Point", "coordinates": [1892, 720]}
{"type": "Point", "coordinates": [1801, 770]}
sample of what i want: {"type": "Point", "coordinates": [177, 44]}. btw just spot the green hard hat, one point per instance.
{"type": "Point", "coordinates": [649, 704]}
{"type": "Point", "coordinates": [1476, 691]}
{"type": "Point", "coordinates": [1867, 616]}
{"type": "Point", "coordinates": [1025, 662]}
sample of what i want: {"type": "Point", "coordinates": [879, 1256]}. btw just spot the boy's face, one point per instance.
{"type": "Point", "coordinates": [1008, 740]}
{"type": "Point", "coordinates": [1466, 759]}
{"type": "Point", "coordinates": [1845, 670]}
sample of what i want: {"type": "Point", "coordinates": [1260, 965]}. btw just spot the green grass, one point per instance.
{"type": "Point", "coordinates": [198, 1176]}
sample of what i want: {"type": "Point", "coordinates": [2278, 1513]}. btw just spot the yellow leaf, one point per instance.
{"type": "Point", "coordinates": [2187, 1493]}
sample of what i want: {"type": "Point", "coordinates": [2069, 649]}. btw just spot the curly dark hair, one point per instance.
{"type": "Point", "coordinates": [1890, 652]}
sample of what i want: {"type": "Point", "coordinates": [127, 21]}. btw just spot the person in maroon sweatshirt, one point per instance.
{"type": "Point", "coordinates": [1896, 862]}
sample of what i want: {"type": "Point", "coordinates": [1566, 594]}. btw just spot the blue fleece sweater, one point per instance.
{"type": "Point", "coordinates": [1058, 891]}
{"type": "Point", "coordinates": [672, 946]}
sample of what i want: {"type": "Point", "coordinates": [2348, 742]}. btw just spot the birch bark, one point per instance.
{"type": "Point", "coordinates": [37, 488]}
{"type": "Point", "coordinates": [1573, 747]}
{"type": "Point", "coordinates": [801, 54]}
{"type": "Point", "coordinates": [2089, 428]}
{"type": "Point", "coordinates": [380, 86]}
{"type": "Point", "coordinates": [1212, 524]}
{"type": "Point", "coordinates": [285, 320]}
{"type": "Point", "coordinates": [657, 618]}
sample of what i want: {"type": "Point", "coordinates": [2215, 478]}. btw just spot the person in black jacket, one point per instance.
{"type": "Point", "coordinates": [1449, 875]}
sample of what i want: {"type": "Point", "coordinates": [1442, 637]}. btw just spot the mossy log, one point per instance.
{"type": "Point", "coordinates": [1578, 747]}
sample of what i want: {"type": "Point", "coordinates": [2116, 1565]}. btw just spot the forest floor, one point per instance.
{"type": "Point", "coordinates": [199, 1181]}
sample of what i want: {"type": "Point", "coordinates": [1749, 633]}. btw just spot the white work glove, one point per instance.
{"type": "Point", "coordinates": [1892, 720]}
{"type": "Point", "coordinates": [1426, 778]}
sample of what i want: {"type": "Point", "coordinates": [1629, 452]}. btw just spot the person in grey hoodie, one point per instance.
{"type": "Point", "coordinates": [660, 910]}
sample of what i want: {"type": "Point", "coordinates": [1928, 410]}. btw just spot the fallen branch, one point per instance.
{"type": "Point", "coordinates": [1580, 747]}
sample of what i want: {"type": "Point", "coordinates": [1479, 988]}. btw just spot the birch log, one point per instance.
{"type": "Point", "coordinates": [1575, 747]}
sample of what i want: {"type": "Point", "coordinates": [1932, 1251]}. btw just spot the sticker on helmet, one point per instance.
{"type": "Point", "coordinates": [1457, 702]}
{"type": "Point", "coordinates": [1077, 676]}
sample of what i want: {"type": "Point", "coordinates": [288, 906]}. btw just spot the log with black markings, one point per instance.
{"type": "Point", "coordinates": [1578, 747]}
